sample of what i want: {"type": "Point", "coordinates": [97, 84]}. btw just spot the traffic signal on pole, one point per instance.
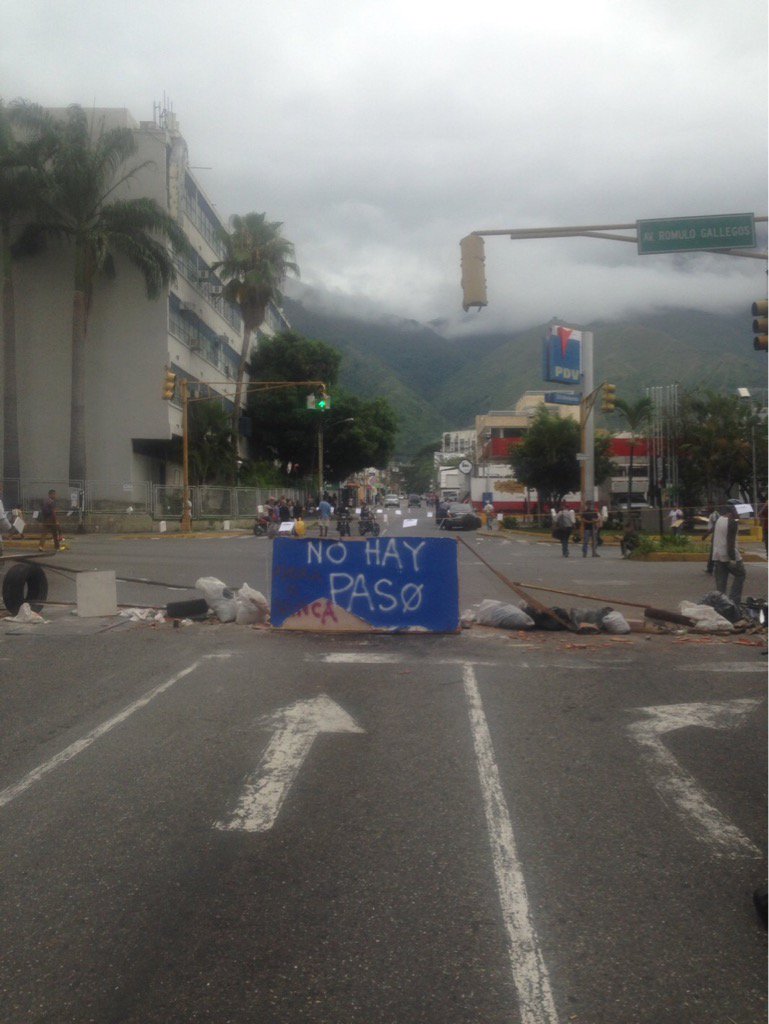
{"type": "Point", "coordinates": [609, 398]}
{"type": "Point", "coordinates": [169, 385]}
{"type": "Point", "coordinates": [760, 323]}
{"type": "Point", "coordinates": [323, 401]}
{"type": "Point", "coordinates": [473, 272]}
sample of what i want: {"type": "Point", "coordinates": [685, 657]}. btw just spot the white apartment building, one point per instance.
{"type": "Point", "coordinates": [131, 341]}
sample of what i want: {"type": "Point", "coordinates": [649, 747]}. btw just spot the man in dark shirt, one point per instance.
{"type": "Point", "coordinates": [590, 521]}
{"type": "Point", "coordinates": [48, 522]}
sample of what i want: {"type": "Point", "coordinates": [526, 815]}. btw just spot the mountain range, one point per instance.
{"type": "Point", "coordinates": [437, 383]}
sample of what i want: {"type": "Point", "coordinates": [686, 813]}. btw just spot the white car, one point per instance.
{"type": "Point", "coordinates": [392, 501]}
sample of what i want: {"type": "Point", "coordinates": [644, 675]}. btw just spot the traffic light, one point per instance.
{"type": "Point", "coordinates": [323, 401]}
{"type": "Point", "coordinates": [609, 398]}
{"type": "Point", "coordinates": [760, 310]}
{"type": "Point", "coordinates": [473, 272]}
{"type": "Point", "coordinates": [169, 385]}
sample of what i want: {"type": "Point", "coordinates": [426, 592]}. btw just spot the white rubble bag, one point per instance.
{"type": "Point", "coordinates": [251, 605]}
{"type": "Point", "coordinates": [220, 599]}
{"type": "Point", "coordinates": [706, 618]}
{"type": "Point", "coordinates": [503, 616]}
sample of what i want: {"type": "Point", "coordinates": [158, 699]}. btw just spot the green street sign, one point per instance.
{"type": "Point", "coordinates": [696, 234]}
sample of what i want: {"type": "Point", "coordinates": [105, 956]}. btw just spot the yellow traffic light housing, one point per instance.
{"type": "Point", "coordinates": [609, 398]}
{"type": "Point", "coordinates": [169, 385]}
{"type": "Point", "coordinates": [760, 311]}
{"type": "Point", "coordinates": [473, 272]}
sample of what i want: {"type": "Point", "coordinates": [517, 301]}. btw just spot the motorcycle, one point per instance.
{"type": "Point", "coordinates": [368, 525]}
{"type": "Point", "coordinates": [343, 523]}
{"type": "Point", "coordinates": [261, 525]}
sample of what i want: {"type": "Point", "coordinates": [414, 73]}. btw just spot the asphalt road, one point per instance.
{"type": "Point", "coordinates": [487, 827]}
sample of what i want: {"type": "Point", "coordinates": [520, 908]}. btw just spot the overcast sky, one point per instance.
{"type": "Point", "coordinates": [380, 132]}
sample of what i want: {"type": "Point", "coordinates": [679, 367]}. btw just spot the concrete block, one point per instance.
{"type": "Point", "coordinates": [96, 594]}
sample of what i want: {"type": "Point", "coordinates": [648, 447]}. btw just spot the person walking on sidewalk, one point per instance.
{"type": "Point", "coordinates": [590, 526]}
{"type": "Point", "coordinates": [727, 560]}
{"type": "Point", "coordinates": [49, 522]}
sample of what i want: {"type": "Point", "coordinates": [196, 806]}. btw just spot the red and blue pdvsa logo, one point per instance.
{"type": "Point", "coordinates": [562, 355]}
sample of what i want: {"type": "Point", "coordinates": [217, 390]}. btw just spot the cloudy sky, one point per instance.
{"type": "Point", "coordinates": [380, 132]}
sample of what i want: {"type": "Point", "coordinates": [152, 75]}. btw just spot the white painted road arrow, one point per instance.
{"type": "Point", "coordinates": [295, 728]}
{"type": "Point", "coordinates": [674, 782]}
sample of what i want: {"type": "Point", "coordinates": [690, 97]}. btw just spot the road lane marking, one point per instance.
{"type": "Point", "coordinates": [353, 658]}
{"type": "Point", "coordinates": [730, 667]}
{"type": "Point", "coordinates": [671, 780]}
{"type": "Point", "coordinates": [295, 730]}
{"type": "Point", "coordinates": [530, 975]}
{"type": "Point", "coordinates": [11, 792]}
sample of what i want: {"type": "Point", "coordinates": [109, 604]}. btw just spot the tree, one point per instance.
{"type": "Point", "coordinates": [717, 435]}
{"type": "Point", "coordinates": [256, 263]}
{"type": "Point", "coordinates": [23, 154]}
{"type": "Point", "coordinates": [77, 205]}
{"type": "Point", "coordinates": [546, 458]}
{"type": "Point", "coordinates": [369, 440]}
{"type": "Point", "coordinates": [419, 474]}
{"type": "Point", "coordinates": [210, 444]}
{"type": "Point", "coordinates": [636, 415]}
{"type": "Point", "coordinates": [356, 433]}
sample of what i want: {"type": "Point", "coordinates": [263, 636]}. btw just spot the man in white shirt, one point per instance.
{"type": "Point", "coordinates": [727, 560]}
{"type": "Point", "coordinates": [5, 523]}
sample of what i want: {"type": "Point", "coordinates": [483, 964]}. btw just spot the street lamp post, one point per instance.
{"type": "Point", "coordinates": [186, 523]}
{"type": "Point", "coordinates": [745, 394]}
{"type": "Point", "coordinates": [349, 419]}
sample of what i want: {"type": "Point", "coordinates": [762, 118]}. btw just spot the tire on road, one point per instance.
{"type": "Point", "coordinates": [195, 608]}
{"type": "Point", "coordinates": [23, 583]}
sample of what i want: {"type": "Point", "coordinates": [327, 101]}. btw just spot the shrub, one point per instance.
{"type": "Point", "coordinates": [509, 523]}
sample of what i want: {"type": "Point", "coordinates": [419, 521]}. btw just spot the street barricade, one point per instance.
{"type": "Point", "coordinates": [376, 584]}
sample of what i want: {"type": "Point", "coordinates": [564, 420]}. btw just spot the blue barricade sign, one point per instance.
{"type": "Point", "coordinates": [393, 584]}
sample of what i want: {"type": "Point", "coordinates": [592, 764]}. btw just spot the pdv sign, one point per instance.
{"type": "Point", "coordinates": [392, 584]}
{"type": "Point", "coordinates": [562, 355]}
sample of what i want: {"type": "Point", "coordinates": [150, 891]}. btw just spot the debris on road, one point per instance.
{"type": "Point", "coordinates": [503, 616]}
{"type": "Point", "coordinates": [142, 614]}
{"type": "Point", "coordinates": [245, 606]}
{"type": "Point", "coordinates": [25, 615]}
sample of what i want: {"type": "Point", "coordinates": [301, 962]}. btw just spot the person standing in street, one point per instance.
{"type": "Point", "coordinates": [590, 525]}
{"type": "Point", "coordinates": [5, 523]}
{"type": "Point", "coordinates": [49, 522]}
{"type": "Point", "coordinates": [324, 515]}
{"type": "Point", "coordinates": [563, 524]}
{"type": "Point", "coordinates": [727, 560]}
{"type": "Point", "coordinates": [712, 520]}
{"type": "Point", "coordinates": [488, 508]}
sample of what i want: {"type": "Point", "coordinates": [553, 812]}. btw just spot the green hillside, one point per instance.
{"type": "Point", "coordinates": [436, 383]}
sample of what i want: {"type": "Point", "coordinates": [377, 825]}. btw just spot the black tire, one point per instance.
{"type": "Point", "coordinates": [259, 530]}
{"type": "Point", "coordinates": [375, 529]}
{"type": "Point", "coordinates": [195, 608]}
{"type": "Point", "coordinates": [24, 583]}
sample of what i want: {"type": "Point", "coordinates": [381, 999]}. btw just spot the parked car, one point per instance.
{"type": "Point", "coordinates": [460, 517]}
{"type": "Point", "coordinates": [415, 501]}
{"type": "Point", "coordinates": [392, 501]}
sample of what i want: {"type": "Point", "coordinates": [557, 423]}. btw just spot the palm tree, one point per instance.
{"type": "Point", "coordinates": [636, 415]}
{"type": "Point", "coordinates": [256, 262]}
{"type": "Point", "coordinates": [22, 157]}
{"type": "Point", "coordinates": [85, 172]}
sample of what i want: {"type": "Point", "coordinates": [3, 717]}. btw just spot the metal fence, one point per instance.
{"type": "Point", "coordinates": [160, 501]}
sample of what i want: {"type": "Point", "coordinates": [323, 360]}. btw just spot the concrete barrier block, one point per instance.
{"type": "Point", "coordinates": [96, 594]}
